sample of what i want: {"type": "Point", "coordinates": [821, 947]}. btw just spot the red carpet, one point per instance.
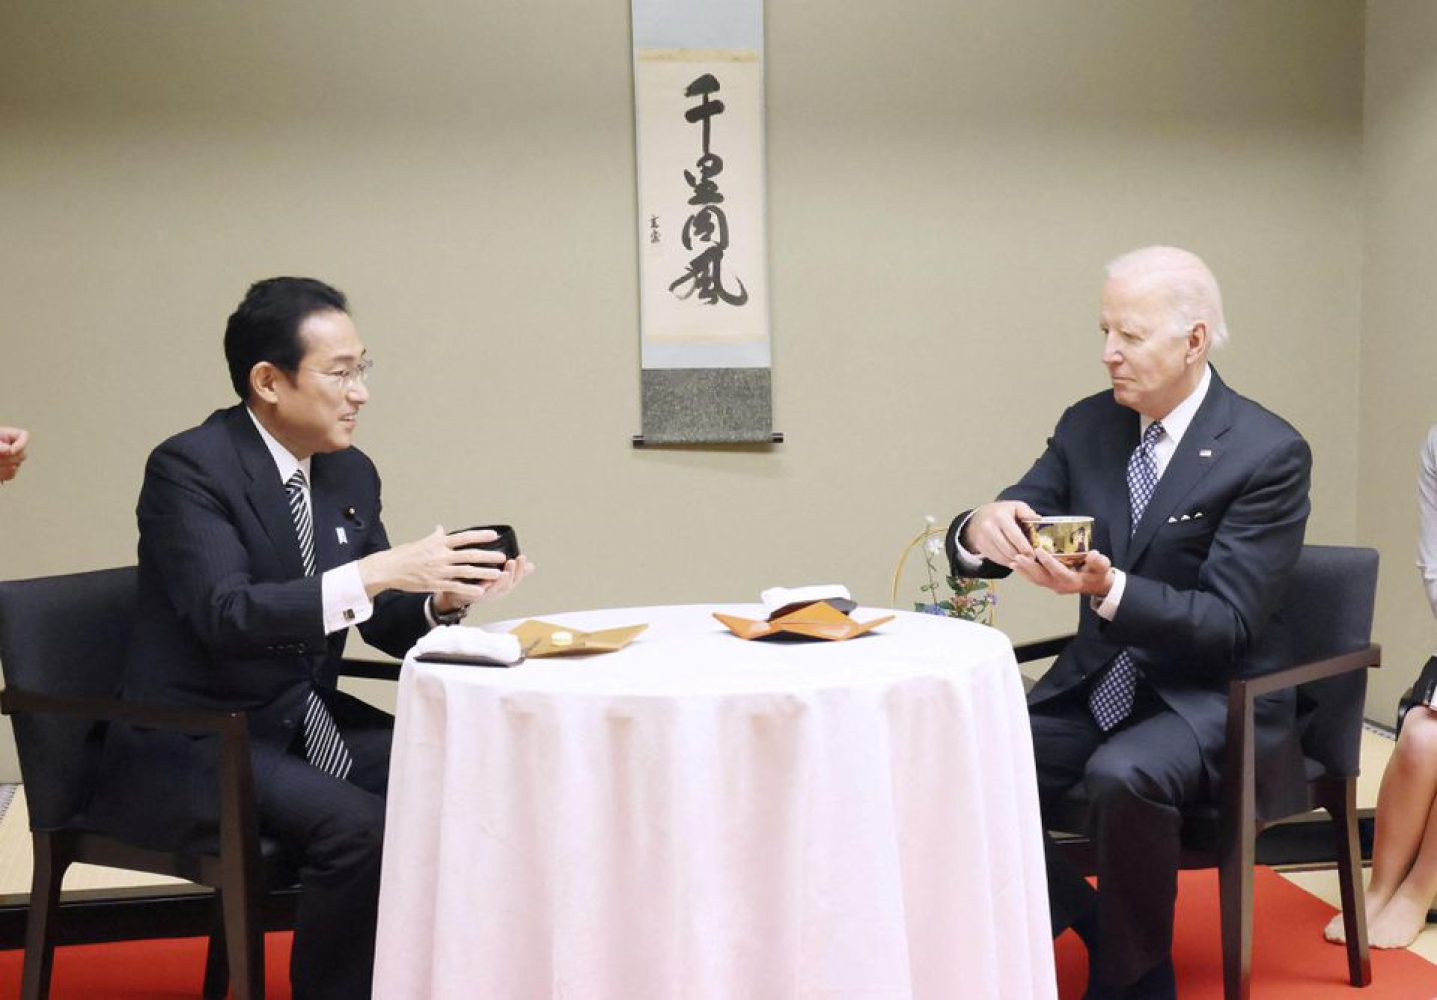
{"type": "Point", "coordinates": [1289, 958]}
{"type": "Point", "coordinates": [166, 969]}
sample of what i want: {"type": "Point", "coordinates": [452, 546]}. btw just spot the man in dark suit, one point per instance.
{"type": "Point", "coordinates": [1201, 500]}
{"type": "Point", "coordinates": [260, 543]}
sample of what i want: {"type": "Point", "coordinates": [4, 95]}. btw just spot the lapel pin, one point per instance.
{"type": "Point", "coordinates": [339, 533]}
{"type": "Point", "coordinates": [1205, 453]}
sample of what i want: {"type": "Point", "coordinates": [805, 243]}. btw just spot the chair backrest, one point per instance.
{"type": "Point", "coordinates": [1328, 609]}
{"type": "Point", "coordinates": [64, 635]}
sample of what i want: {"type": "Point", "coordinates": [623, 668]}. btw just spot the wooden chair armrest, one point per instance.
{"type": "Point", "coordinates": [1304, 673]}
{"type": "Point", "coordinates": [239, 824]}
{"type": "Point", "coordinates": [14, 701]}
{"type": "Point", "coordinates": [1041, 649]}
{"type": "Point", "coordinates": [380, 670]}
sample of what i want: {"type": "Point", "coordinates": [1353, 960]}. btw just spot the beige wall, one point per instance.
{"type": "Point", "coordinates": [1399, 303]}
{"type": "Point", "coordinates": [945, 182]}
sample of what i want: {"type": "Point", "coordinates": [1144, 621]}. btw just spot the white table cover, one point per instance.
{"type": "Point", "coordinates": [698, 816]}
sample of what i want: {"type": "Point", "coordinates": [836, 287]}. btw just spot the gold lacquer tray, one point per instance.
{"type": "Point", "coordinates": [813, 621]}
{"type": "Point", "coordinates": [539, 639]}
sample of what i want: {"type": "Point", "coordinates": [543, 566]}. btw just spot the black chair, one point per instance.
{"type": "Point", "coordinates": [1420, 693]}
{"type": "Point", "coordinates": [62, 651]}
{"type": "Point", "coordinates": [1329, 606]}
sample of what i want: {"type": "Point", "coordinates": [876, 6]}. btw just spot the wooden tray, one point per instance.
{"type": "Point", "coordinates": [537, 639]}
{"type": "Point", "coordinates": [819, 620]}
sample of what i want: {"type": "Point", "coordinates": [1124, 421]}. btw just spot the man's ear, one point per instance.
{"type": "Point", "coordinates": [1197, 342]}
{"type": "Point", "coordinates": [262, 379]}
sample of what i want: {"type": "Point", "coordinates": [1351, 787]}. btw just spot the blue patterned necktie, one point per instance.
{"type": "Point", "coordinates": [323, 746]}
{"type": "Point", "coordinates": [1111, 698]}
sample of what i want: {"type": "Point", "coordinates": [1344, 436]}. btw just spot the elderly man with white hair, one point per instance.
{"type": "Point", "coordinates": [1200, 501]}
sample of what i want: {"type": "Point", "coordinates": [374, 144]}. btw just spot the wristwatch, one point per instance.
{"type": "Point", "coordinates": [447, 617]}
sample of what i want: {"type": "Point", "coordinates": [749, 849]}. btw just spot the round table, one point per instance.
{"type": "Point", "coordinates": [699, 816]}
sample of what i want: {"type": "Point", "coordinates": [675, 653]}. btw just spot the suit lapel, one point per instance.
{"type": "Point", "coordinates": [1117, 450]}
{"type": "Point", "coordinates": [1199, 451]}
{"type": "Point", "coordinates": [324, 501]}
{"type": "Point", "coordinates": [265, 492]}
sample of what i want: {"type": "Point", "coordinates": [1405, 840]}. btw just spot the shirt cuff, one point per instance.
{"type": "Point", "coordinates": [1107, 608]}
{"type": "Point", "coordinates": [345, 602]}
{"type": "Point", "coordinates": [967, 561]}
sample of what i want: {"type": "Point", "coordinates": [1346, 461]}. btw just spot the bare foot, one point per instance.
{"type": "Point", "coordinates": [1399, 923]}
{"type": "Point", "coordinates": [1373, 904]}
{"type": "Point", "coordinates": [1335, 931]}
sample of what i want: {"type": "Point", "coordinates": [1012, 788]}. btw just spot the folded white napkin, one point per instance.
{"type": "Point", "coordinates": [781, 597]}
{"type": "Point", "coordinates": [465, 641]}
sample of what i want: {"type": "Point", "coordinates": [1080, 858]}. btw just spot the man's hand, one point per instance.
{"type": "Point", "coordinates": [515, 570]}
{"type": "Point", "coordinates": [436, 564]}
{"type": "Point", "coordinates": [994, 532]}
{"type": "Point", "coordinates": [12, 451]}
{"type": "Point", "coordinates": [1092, 576]}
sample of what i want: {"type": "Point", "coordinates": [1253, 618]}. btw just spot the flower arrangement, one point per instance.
{"type": "Point", "coordinates": [969, 598]}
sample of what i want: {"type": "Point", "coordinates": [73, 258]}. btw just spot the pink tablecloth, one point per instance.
{"type": "Point", "coordinates": [702, 817]}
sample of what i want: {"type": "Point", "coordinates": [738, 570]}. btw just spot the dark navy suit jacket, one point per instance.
{"type": "Point", "coordinates": [227, 619]}
{"type": "Point", "coordinates": [1205, 569]}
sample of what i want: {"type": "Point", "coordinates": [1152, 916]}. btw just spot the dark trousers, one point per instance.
{"type": "Point", "coordinates": [338, 828]}
{"type": "Point", "coordinates": [1136, 779]}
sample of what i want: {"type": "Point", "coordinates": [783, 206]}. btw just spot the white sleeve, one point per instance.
{"type": "Point", "coordinates": [968, 562]}
{"type": "Point", "coordinates": [345, 602]}
{"type": "Point", "coordinates": [1427, 524]}
{"type": "Point", "coordinates": [1107, 608]}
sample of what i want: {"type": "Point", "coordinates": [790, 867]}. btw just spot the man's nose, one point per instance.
{"type": "Point", "coordinates": [359, 393]}
{"type": "Point", "coordinates": [1111, 353]}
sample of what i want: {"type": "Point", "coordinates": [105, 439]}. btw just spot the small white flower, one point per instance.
{"type": "Point", "coordinates": [930, 518]}
{"type": "Point", "coordinates": [935, 547]}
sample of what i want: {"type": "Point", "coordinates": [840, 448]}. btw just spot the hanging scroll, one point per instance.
{"type": "Point", "coordinates": [698, 92]}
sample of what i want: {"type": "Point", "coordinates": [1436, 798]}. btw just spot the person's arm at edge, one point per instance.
{"type": "Point", "coordinates": [1427, 519]}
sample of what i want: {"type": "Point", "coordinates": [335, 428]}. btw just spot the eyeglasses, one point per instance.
{"type": "Point", "coordinates": [347, 378]}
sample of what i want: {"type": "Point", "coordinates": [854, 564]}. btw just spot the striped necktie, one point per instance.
{"type": "Point", "coordinates": [1111, 697]}
{"type": "Point", "coordinates": [323, 745]}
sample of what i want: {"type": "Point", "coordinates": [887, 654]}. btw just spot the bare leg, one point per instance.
{"type": "Point", "coordinates": [1404, 814]}
{"type": "Point", "coordinates": [1402, 919]}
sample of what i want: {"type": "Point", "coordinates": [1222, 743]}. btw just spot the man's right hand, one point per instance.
{"type": "Point", "coordinates": [13, 441]}
{"type": "Point", "coordinates": [433, 564]}
{"type": "Point", "coordinates": [994, 532]}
